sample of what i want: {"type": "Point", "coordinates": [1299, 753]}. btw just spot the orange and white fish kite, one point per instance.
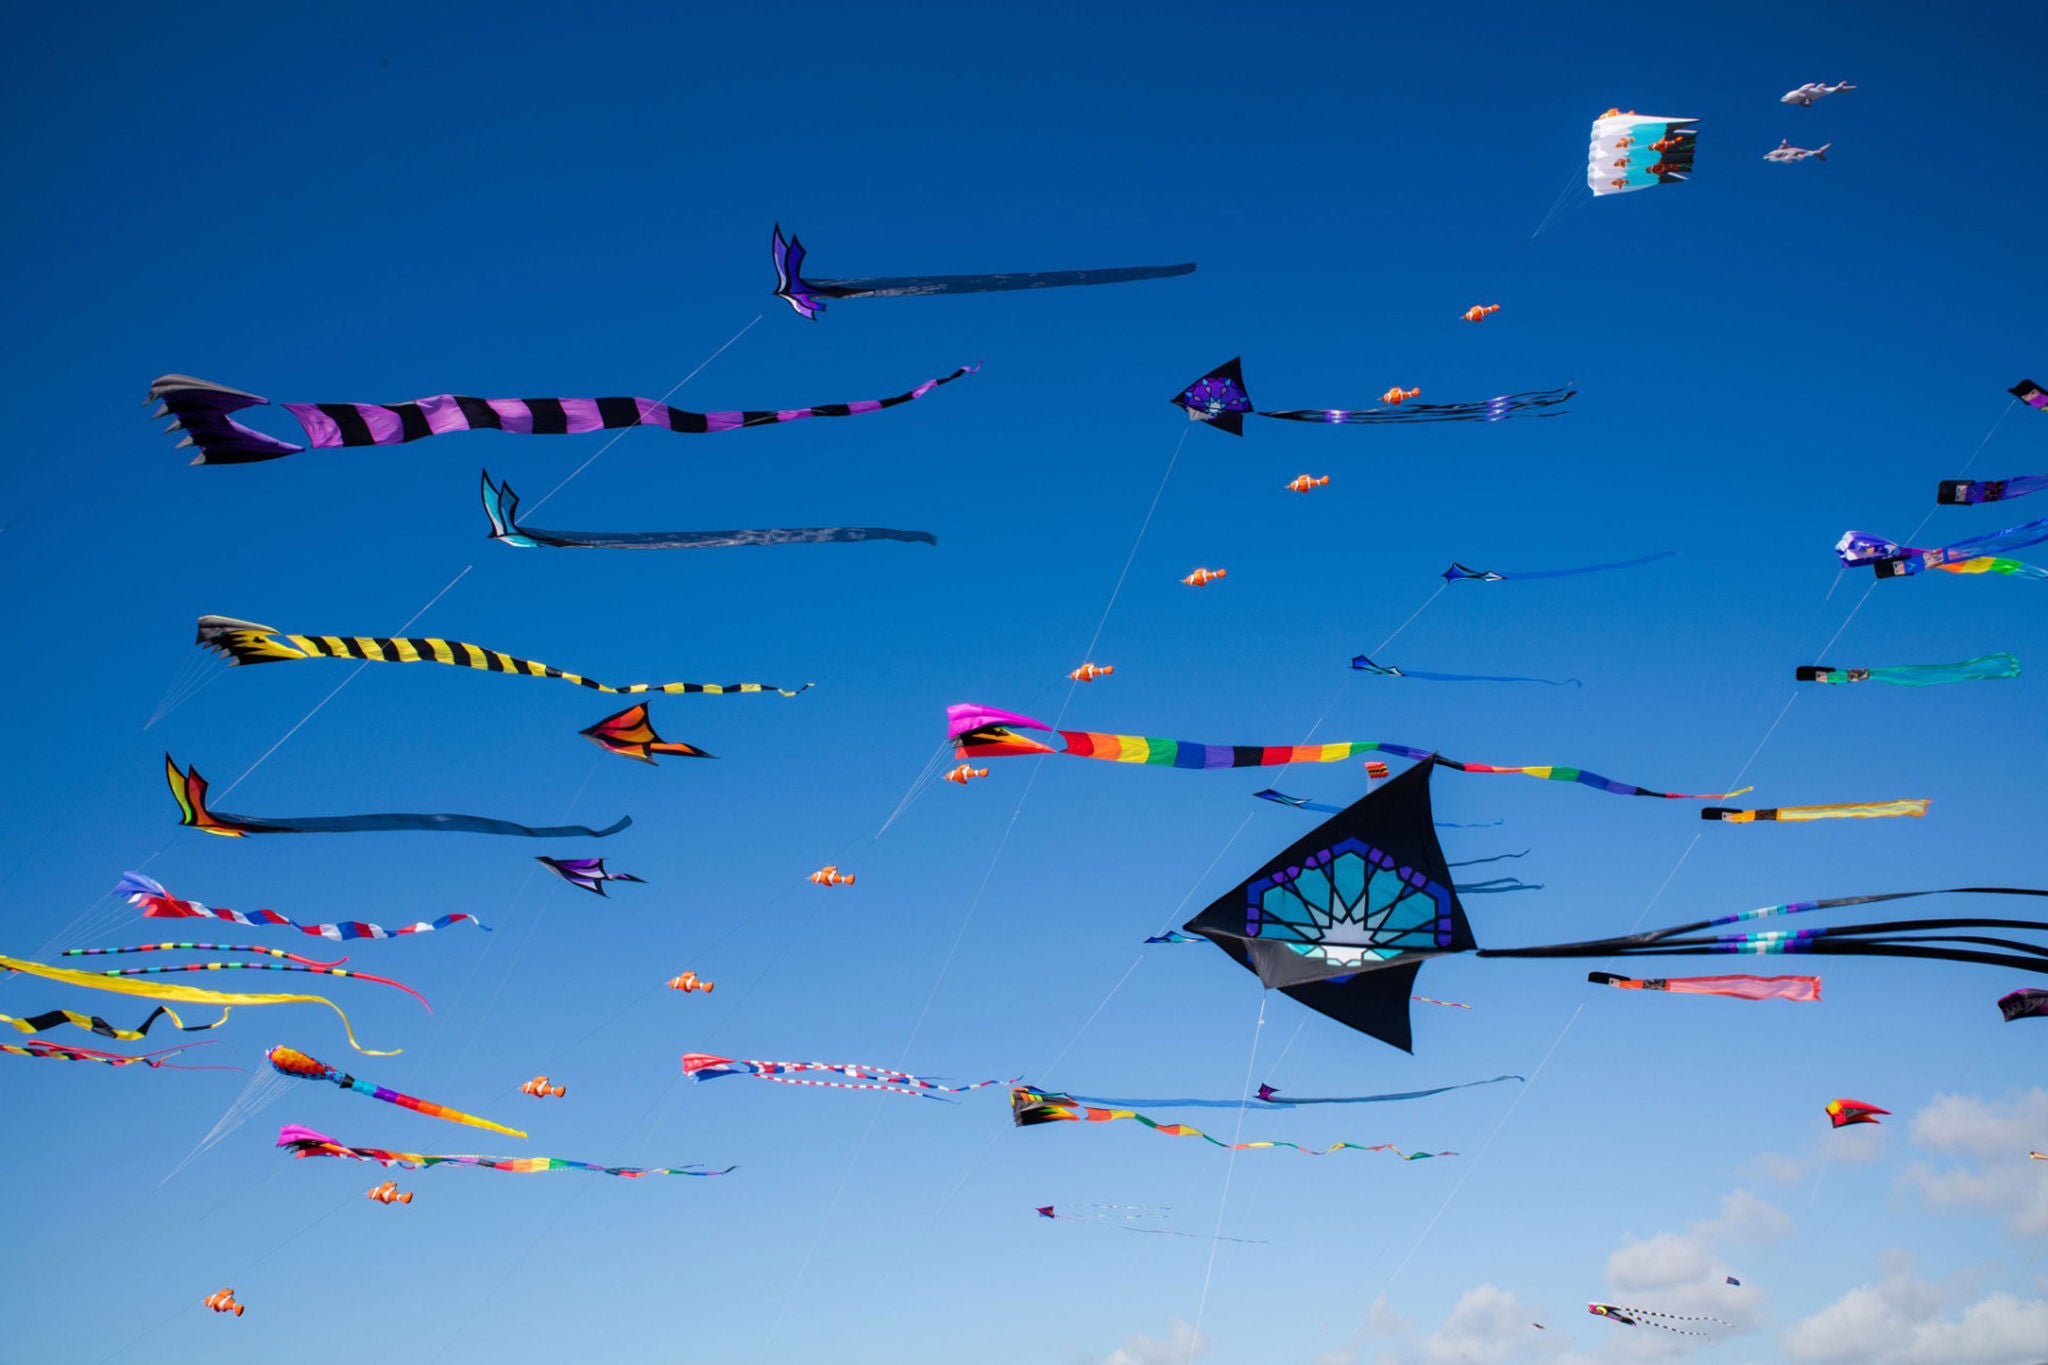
{"type": "Point", "coordinates": [830, 875]}
{"type": "Point", "coordinates": [388, 1193]}
{"type": "Point", "coordinates": [539, 1088]}
{"type": "Point", "coordinates": [689, 981]}
{"type": "Point", "coordinates": [1398, 395]}
{"type": "Point", "coordinates": [1478, 312]}
{"type": "Point", "coordinates": [1090, 672]}
{"type": "Point", "coordinates": [1202, 578]}
{"type": "Point", "coordinates": [223, 1301]}
{"type": "Point", "coordinates": [965, 773]}
{"type": "Point", "coordinates": [1302, 483]}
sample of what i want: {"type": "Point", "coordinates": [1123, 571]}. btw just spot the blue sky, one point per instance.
{"type": "Point", "coordinates": [504, 200]}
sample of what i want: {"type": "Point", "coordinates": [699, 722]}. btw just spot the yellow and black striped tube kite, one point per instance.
{"type": "Point", "coordinates": [245, 642]}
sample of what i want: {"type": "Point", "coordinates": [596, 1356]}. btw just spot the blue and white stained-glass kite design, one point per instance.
{"type": "Point", "coordinates": [1350, 905]}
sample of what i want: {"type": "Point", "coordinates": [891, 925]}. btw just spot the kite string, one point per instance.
{"type": "Point", "coordinates": [1229, 1169]}
{"type": "Point", "coordinates": [960, 934]}
{"type": "Point", "coordinates": [1044, 1073]}
{"type": "Point", "coordinates": [620, 433]}
{"type": "Point", "coordinates": [353, 675]}
{"type": "Point", "coordinates": [1132, 557]}
{"type": "Point", "coordinates": [1687, 853]}
{"type": "Point", "coordinates": [1403, 626]}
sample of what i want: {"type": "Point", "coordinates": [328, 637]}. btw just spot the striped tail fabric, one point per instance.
{"type": "Point", "coordinates": [199, 409]}
{"type": "Point", "coordinates": [985, 732]}
{"type": "Point", "coordinates": [1867, 810]}
{"type": "Point", "coordinates": [245, 642]}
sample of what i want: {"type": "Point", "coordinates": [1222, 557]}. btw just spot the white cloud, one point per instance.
{"type": "Point", "coordinates": [1746, 1218]}
{"type": "Point", "coordinates": [1992, 1172]}
{"type": "Point", "coordinates": [1487, 1325]}
{"type": "Point", "coordinates": [1181, 1344]}
{"type": "Point", "coordinates": [1860, 1144]}
{"type": "Point", "coordinates": [1909, 1321]}
{"type": "Point", "coordinates": [1686, 1272]}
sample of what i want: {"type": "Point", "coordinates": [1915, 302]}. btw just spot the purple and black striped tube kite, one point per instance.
{"type": "Point", "coordinates": [200, 410]}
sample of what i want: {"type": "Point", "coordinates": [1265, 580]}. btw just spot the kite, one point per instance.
{"type": "Point", "coordinates": [702, 1066]}
{"type": "Point", "coordinates": [690, 981]}
{"type": "Point", "coordinates": [1784, 154]}
{"type": "Point", "coordinates": [1398, 395]}
{"type": "Point", "coordinates": [176, 994]}
{"type": "Point", "coordinates": [1268, 1095]}
{"type": "Point", "coordinates": [1495, 886]}
{"type": "Point", "coordinates": [805, 296]}
{"type": "Point", "coordinates": [1478, 312]}
{"type": "Point", "coordinates": [304, 1142]}
{"type": "Point", "coordinates": [965, 773]}
{"type": "Point", "coordinates": [1648, 1317]}
{"type": "Point", "coordinates": [1976, 555]}
{"type": "Point", "coordinates": [1730, 1279]}
{"type": "Point", "coordinates": [1202, 578]}
{"type": "Point", "coordinates": [1970, 492]}
{"type": "Point", "coordinates": [1344, 917]}
{"type": "Point", "coordinates": [540, 1089]}
{"type": "Point", "coordinates": [1376, 771]}
{"type": "Point", "coordinates": [223, 1301]}
{"type": "Point", "coordinates": [1362, 664]}
{"type": "Point", "coordinates": [501, 505]}
{"type": "Point", "coordinates": [985, 732]}
{"type": "Point", "coordinates": [2021, 1004]}
{"type": "Point", "coordinates": [1866, 810]}
{"type": "Point", "coordinates": [59, 1052]}
{"type": "Point", "coordinates": [387, 1193]}
{"type": "Point", "coordinates": [1302, 483]}
{"type": "Point", "coordinates": [320, 969]}
{"type": "Point", "coordinates": [287, 1061]}
{"type": "Point", "coordinates": [154, 902]}
{"type": "Point", "coordinates": [1088, 673]}
{"type": "Point", "coordinates": [208, 947]}
{"type": "Point", "coordinates": [49, 1019]}
{"type": "Point", "coordinates": [1804, 97]}
{"type": "Point", "coordinates": [190, 790]}
{"type": "Point", "coordinates": [1219, 399]}
{"type": "Point", "coordinates": [1983, 668]}
{"type": "Point", "coordinates": [245, 642]}
{"type": "Point", "coordinates": [830, 875]}
{"type": "Point", "coordinates": [1619, 160]}
{"type": "Point", "coordinates": [2030, 393]}
{"type": "Point", "coordinates": [587, 874]}
{"type": "Point", "coordinates": [1325, 808]}
{"type": "Point", "coordinates": [1110, 1214]}
{"type": "Point", "coordinates": [1842, 1113]}
{"type": "Point", "coordinates": [1176, 936]}
{"type": "Point", "coordinates": [1029, 1107]}
{"type": "Point", "coordinates": [200, 409]}
{"type": "Point", "coordinates": [630, 734]}
{"type": "Point", "coordinates": [1458, 571]}
{"type": "Point", "coordinates": [1803, 989]}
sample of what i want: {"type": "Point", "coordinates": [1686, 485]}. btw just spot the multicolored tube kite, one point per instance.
{"type": "Point", "coordinates": [985, 732]}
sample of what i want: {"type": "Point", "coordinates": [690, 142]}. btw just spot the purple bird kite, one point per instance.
{"type": "Point", "coordinates": [587, 873]}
